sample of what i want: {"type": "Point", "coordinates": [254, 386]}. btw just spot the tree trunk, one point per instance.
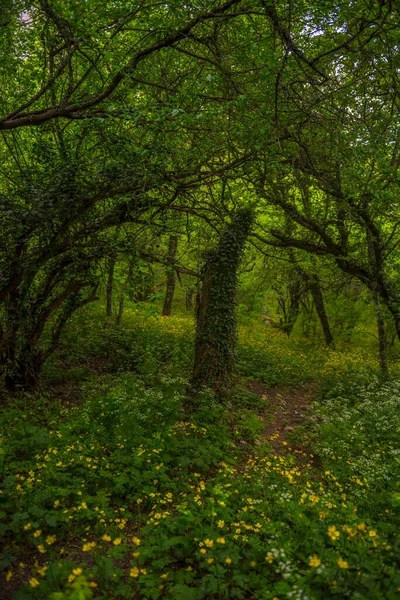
{"type": "Point", "coordinates": [110, 283]}
{"type": "Point", "coordinates": [316, 292]}
{"type": "Point", "coordinates": [110, 279]}
{"type": "Point", "coordinates": [24, 372]}
{"type": "Point", "coordinates": [383, 363]}
{"type": "Point", "coordinates": [374, 264]}
{"type": "Point", "coordinates": [169, 295]}
{"type": "Point", "coordinates": [293, 310]}
{"type": "Point", "coordinates": [122, 295]}
{"type": "Point", "coordinates": [189, 298]}
{"type": "Point", "coordinates": [216, 322]}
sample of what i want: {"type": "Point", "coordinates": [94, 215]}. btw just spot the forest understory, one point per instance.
{"type": "Point", "coordinates": [288, 489]}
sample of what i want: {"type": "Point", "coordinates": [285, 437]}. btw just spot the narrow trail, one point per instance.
{"type": "Point", "coordinates": [289, 410]}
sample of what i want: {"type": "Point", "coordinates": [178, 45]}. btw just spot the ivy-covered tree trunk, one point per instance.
{"type": "Point", "coordinates": [216, 322]}
{"type": "Point", "coordinates": [169, 294]}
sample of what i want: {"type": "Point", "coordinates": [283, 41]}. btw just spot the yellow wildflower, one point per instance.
{"type": "Point", "coordinates": [343, 564]}
{"type": "Point", "coordinates": [117, 541]}
{"type": "Point", "coordinates": [134, 572]}
{"type": "Point", "coordinates": [333, 532]}
{"type": "Point", "coordinates": [50, 539]}
{"type": "Point", "coordinates": [314, 561]}
{"type": "Point", "coordinates": [88, 546]}
{"type": "Point", "coordinates": [33, 582]}
{"type": "Point", "coordinates": [270, 557]}
{"type": "Point", "coordinates": [106, 537]}
{"type": "Point", "coordinates": [228, 560]}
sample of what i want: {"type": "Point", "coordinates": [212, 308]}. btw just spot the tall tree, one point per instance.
{"type": "Point", "coordinates": [216, 321]}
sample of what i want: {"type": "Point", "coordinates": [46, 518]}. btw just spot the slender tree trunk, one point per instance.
{"type": "Point", "coordinates": [374, 271]}
{"type": "Point", "coordinates": [396, 317]}
{"type": "Point", "coordinates": [383, 363]}
{"type": "Point", "coordinates": [171, 282]}
{"type": "Point", "coordinates": [216, 322]}
{"type": "Point", "coordinates": [110, 279]}
{"type": "Point", "coordinates": [293, 309]}
{"type": "Point", "coordinates": [189, 298]}
{"type": "Point", "coordinates": [122, 295]}
{"type": "Point", "coordinates": [316, 292]}
{"type": "Point", "coordinates": [110, 283]}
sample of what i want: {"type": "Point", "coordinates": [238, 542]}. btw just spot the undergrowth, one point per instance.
{"type": "Point", "coordinates": [125, 495]}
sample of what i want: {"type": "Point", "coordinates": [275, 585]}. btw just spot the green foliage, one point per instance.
{"type": "Point", "coordinates": [359, 437]}
{"type": "Point", "coordinates": [123, 495]}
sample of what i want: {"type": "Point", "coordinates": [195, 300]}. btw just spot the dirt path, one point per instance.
{"type": "Point", "coordinates": [290, 409]}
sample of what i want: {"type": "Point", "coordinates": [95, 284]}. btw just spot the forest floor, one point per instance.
{"type": "Point", "coordinates": [289, 491]}
{"type": "Point", "coordinates": [290, 409]}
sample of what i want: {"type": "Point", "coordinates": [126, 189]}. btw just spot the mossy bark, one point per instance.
{"type": "Point", "coordinates": [216, 322]}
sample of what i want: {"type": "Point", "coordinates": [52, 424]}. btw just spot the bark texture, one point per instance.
{"type": "Point", "coordinates": [216, 323]}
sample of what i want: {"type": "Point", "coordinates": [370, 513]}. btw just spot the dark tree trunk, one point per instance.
{"type": "Point", "coordinates": [23, 372]}
{"type": "Point", "coordinates": [293, 309]}
{"type": "Point", "coordinates": [110, 278]}
{"type": "Point", "coordinates": [383, 363]}
{"type": "Point", "coordinates": [110, 283]}
{"type": "Point", "coordinates": [21, 361]}
{"type": "Point", "coordinates": [374, 258]}
{"type": "Point", "coordinates": [189, 299]}
{"type": "Point", "coordinates": [396, 316]}
{"type": "Point", "coordinates": [122, 295]}
{"type": "Point", "coordinates": [169, 295]}
{"type": "Point", "coordinates": [316, 292]}
{"type": "Point", "coordinates": [216, 323]}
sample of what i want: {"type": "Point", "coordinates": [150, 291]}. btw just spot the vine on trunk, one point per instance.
{"type": "Point", "coordinates": [216, 321]}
